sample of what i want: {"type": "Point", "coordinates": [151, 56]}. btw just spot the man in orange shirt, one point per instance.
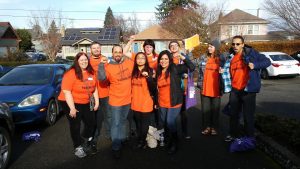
{"type": "Point", "coordinates": [103, 114]}
{"type": "Point", "coordinates": [241, 78]}
{"type": "Point", "coordinates": [118, 73]}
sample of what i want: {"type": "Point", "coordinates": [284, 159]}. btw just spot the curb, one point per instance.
{"type": "Point", "coordinates": [277, 152]}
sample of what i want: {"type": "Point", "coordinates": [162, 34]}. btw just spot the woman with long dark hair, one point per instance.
{"type": "Point", "coordinates": [78, 91]}
{"type": "Point", "coordinates": [143, 90]}
{"type": "Point", "coordinates": [170, 93]}
{"type": "Point", "coordinates": [209, 83]}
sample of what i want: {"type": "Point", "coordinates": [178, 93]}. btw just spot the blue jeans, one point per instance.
{"type": "Point", "coordinates": [103, 116]}
{"type": "Point", "coordinates": [169, 115]}
{"type": "Point", "coordinates": [118, 125]}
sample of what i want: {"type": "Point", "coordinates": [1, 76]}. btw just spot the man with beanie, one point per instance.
{"type": "Point", "coordinates": [242, 79]}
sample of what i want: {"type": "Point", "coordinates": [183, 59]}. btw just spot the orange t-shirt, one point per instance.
{"type": "Point", "coordinates": [211, 85]}
{"type": "Point", "coordinates": [152, 60]}
{"type": "Point", "coordinates": [103, 86]}
{"type": "Point", "coordinates": [239, 72]}
{"type": "Point", "coordinates": [164, 92]}
{"type": "Point", "coordinates": [119, 77]}
{"type": "Point", "coordinates": [141, 100]}
{"type": "Point", "coordinates": [78, 88]}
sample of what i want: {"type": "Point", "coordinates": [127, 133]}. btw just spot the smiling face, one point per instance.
{"type": "Point", "coordinates": [237, 45]}
{"type": "Point", "coordinates": [83, 62]}
{"type": "Point", "coordinates": [148, 49]}
{"type": "Point", "coordinates": [117, 53]}
{"type": "Point", "coordinates": [164, 61]}
{"type": "Point", "coordinates": [211, 49]}
{"type": "Point", "coordinates": [140, 60]}
{"type": "Point", "coordinates": [174, 47]}
{"type": "Point", "coordinates": [96, 50]}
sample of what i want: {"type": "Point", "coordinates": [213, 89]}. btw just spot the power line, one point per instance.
{"type": "Point", "coordinates": [66, 11]}
{"type": "Point", "coordinates": [88, 19]}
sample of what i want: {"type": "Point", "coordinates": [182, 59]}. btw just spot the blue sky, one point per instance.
{"type": "Point", "coordinates": [144, 9]}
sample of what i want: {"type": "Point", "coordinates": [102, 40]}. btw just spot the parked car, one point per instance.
{"type": "Point", "coordinates": [4, 69]}
{"type": "Point", "coordinates": [296, 55]}
{"type": "Point", "coordinates": [6, 132]}
{"type": "Point", "coordinates": [31, 92]}
{"type": "Point", "coordinates": [281, 65]}
{"type": "Point", "coordinates": [38, 57]}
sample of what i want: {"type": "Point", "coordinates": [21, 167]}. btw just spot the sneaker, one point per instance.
{"type": "Point", "coordinates": [79, 152]}
{"type": "Point", "coordinates": [93, 149]}
{"type": "Point", "coordinates": [229, 138]}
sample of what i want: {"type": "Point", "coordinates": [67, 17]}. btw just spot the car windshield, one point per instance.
{"type": "Point", "coordinates": [27, 76]}
{"type": "Point", "coordinates": [281, 57]}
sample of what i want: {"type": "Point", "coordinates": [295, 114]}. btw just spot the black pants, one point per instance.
{"type": "Point", "coordinates": [210, 111]}
{"type": "Point", "coordinates": [241, 100]}
{"type": "Point", "coordinates": [142, 124]}
{"type": "Point", "coordinates": [84, 114]}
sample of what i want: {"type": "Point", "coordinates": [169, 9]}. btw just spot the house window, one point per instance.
{"type": "Point", "coordinates": [250, 29]}
{"type": "Point", "coordinates": [233, 30]}
{"type": "Point", "coordinates": [253, 29]}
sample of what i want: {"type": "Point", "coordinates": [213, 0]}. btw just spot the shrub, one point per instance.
{"type": "Point", "coordinates": [70, 57]}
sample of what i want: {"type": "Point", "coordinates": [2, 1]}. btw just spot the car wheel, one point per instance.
{"type": "Point", "coordinates": [264, 74]}
{"type": "Point", "coordinates": [52, 112]}
{"type": "Point", "coordinates": [5, 147]}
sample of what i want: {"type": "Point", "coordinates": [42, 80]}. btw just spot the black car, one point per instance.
{"type": "Point", "coordinates": [296, 55]}
{"type": "Point", "coordinates": [6, 133]}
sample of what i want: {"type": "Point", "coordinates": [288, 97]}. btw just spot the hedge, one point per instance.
{"type": "Point", "coordinates": [288, 47]}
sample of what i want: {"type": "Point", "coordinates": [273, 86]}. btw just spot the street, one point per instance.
{"type": "Point", "coordinates": [54, 150]}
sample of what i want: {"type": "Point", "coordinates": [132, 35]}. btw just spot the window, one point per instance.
{"type": "Point", "coordinates": [253, 29]}
{"type": "Point", "coordinates": [233, 30]}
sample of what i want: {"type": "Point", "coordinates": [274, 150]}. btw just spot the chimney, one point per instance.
{"type": "Point", "coordinates": [257, 14]}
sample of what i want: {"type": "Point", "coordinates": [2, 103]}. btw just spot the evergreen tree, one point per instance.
{"type": "Point", "coordinates": [52, 29]}
{"type": "Point", "coordinates": [25, 37]}
{"type": "Point", "coordinates": [109, 18]}
{"type": "Point", "coordinates": [166, 7]}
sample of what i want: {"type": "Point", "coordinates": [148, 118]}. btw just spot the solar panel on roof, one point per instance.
{"type": "Point", "coordinates": [107, 33]}
{"type": "Point", "coordinates": [106, 37]}
{"type": "Point", "coordinates": [100, 37]}
{"type": "Point", "coordinates": [108, 29]}
{"type": "Point", "coordinates": [111, 37]}
{"type": "Point", "coordinates": [113, 33]}
{"type": "Point", "coordinates": [72, 38]}
{"type": "Point", "coordinates": [66, 37]}
{"type": "Point", "coordinates": [77, 38]}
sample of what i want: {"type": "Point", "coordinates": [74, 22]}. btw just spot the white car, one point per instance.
{"type": "Point", "coordinates": [281, 65]}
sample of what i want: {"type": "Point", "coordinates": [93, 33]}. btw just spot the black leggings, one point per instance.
{"type": "Point", "coordinates": [210, 111]}
{"type": "Point", "coordinates": [142, 124]}
{"type": "Point", "coordinates": [84, 114]}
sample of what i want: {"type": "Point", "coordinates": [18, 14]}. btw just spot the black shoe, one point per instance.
{"type": "Point", "coordinates": [116, 154]}
{"type": "Point", "coordinates": [229, 138]}
{"type": "Point", "coordinates": [93, 149]}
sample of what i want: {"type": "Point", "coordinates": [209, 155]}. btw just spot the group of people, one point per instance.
{"type": "Point", "coordinates": [96, 90]}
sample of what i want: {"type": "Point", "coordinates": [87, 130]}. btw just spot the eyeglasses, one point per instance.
{"type": "Point", "coordinates": [235, 44]}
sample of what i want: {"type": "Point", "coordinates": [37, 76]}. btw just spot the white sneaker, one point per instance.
{"type": "Point", "coordinates": [79, 152]}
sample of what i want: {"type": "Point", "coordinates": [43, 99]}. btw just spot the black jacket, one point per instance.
{"type": "Point", "coordinates": [176, 92]}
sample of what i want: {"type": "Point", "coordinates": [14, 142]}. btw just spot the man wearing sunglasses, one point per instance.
{"type": "Point", "coordinates": [242, 79]}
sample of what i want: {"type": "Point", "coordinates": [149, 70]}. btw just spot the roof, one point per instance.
{"type": "Point", "coordinates": [239, 16]}
{"type": "Point", "coordinates": [156, 32]}
{"type": "Point", "coordinates": [105, 36]}
{"type": "Point", "coordinates": [5, 27]}
{"type": "Point", "coordinates": [269, 37]}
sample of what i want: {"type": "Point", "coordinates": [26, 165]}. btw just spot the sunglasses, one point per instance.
{"type": "Point", "coordinates": [235, 44]}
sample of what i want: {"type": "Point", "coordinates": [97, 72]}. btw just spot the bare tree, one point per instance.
{"type": "Point", "coordinates": [287, 14]}
{"type": "Point", "coordinates": [129, 26]}
{"type": "Point", "coordinates": [47, 20]}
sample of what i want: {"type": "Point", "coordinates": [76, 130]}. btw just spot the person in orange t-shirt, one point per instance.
{"type": "Point", "coordinates": [118, 73]}
{"type": "Point", "coordinates": [142, 99]}
{"type": "Point", "coordinates": [77, 89]}
{"type": "Point", "coordinates": [170, 93]}
{"type": "Point", "coordinates": [174, 48]}
{"type": "Point", "coordinates": [209, 84]}
{"type": "Point", "coordinates": [103, 114]}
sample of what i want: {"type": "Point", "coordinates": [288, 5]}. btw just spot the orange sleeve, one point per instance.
{"type": "Point", "coordinates": [68, 80]}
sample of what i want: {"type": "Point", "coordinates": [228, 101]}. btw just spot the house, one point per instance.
{"type": "Point", "coordinates": [238, 22]}
{"type": "Point", "coordinates": [75, 40]}
{"type": "Point", "coordinates": [9, 39]}
{"type": "Point", "coordinates": [160, 36]}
